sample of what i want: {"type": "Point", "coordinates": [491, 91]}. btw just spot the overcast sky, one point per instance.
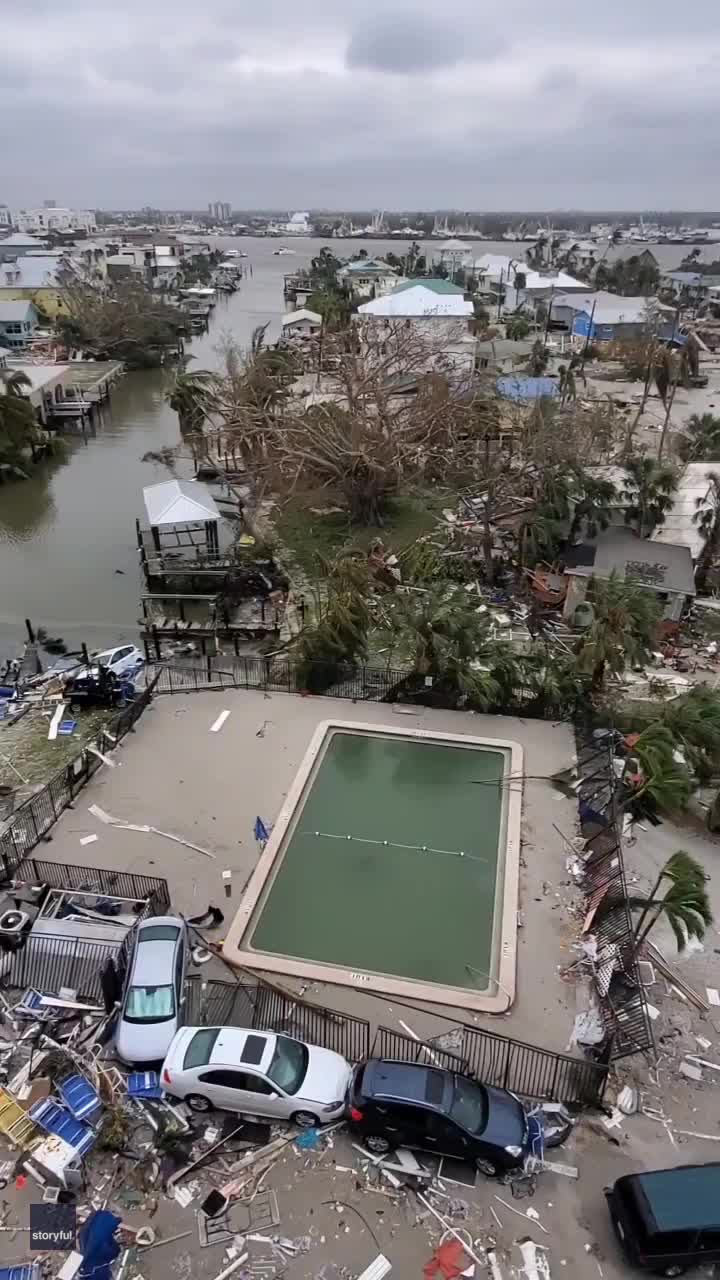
{"type": "Point", "coordinates": [364, 103]}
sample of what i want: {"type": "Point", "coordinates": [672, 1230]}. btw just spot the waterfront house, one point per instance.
{"type": "Point", "coordinates": [454, 254]}
{"type": "Point", "coordinates": [433, 311]}
{"type": "Point", "coordinates": [37, 278]}
{"type": "Point", "coordinates": [369, 277]}
{"type": "Point", "coordinates": [690, 286]}
{"type": "Point", "coordinates": [18, 322]}
{"type": "Point", "coordinates": [301, 324]}
{"type": "Point", "coordinates": [624, 251]}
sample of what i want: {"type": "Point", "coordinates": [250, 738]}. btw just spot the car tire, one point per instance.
{"type": "Point", "coordinates": [487, 1167]}
{"type": "Point", "coordinates": [305, 1120]}
{"type": "Point", "coordinates": [197, 1102]}
{"type": "Point", "coordinates": [376, 1144]}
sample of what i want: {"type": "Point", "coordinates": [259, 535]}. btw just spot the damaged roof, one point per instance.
{"type": "Point", "coordinates": [663, 566]}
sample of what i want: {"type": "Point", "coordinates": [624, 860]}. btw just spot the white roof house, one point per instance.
{"type": "Point", "coordinates": [21, 240]}
{"type": "Point", "coordinates": [421, 299]}
{"type": "Point", "coordinates": [611, 308]}
{"type": "Point", "coordinates": [302, 317]}
{"type": "Point", "coordinates": [548, 282]}
{"type": "Point", "coordinates": [494, 266]}
{"type": "Point", "coordinates": [34, 271]}
{"type": "Point", "coordinates": [179, 502]}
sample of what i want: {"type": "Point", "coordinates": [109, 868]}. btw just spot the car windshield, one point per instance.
{"type": "Point", "coordinates": [289, 1064]}
{"type": "Point", "coordinates": [150, 1004]}
{"type": "Point", "coordinates": [469, 1105]}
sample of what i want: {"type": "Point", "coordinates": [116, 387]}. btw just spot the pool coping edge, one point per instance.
{"type": "Point", "coordinates": [377, 983]}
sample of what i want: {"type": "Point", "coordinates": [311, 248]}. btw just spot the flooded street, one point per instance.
{"type": "Point", "coordinates": [68, 557]}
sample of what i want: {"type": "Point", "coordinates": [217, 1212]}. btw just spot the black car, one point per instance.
{"type": "Point", "coordinates": [405, 1104]}
{"type": "Point", "coordinates": [668, 1220]}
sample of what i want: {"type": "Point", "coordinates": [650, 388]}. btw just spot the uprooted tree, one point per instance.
{"type": "Point", "coordinates": [120, 321]}
{"type": "Point", "coordinates": [393, 412]}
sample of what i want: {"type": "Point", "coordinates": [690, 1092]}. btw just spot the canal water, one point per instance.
{"type": "Point", "coordinates": [68, 558]}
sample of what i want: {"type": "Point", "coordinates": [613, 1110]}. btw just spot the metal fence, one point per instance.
{"type": "Point", "coordinates": [342, 680]}
{"type": "Point", "coordinates": [623, 1006]}
{"type": "Point", "coordinates": [490, 1057]}
{"type": "Point", "coordinates": [504, 1063]}
{"type": "Point", "coordinates": [122, 884]}
{"type": "Point", "coordinates": [257, 1004]}
{"type": "Point", "coordinates": [33, 819]}
{"type": "Point", "coordinates": [48, 962]}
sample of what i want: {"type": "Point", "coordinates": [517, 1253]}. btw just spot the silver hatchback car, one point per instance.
{"type": "Point", "coordinates": [153, 997]}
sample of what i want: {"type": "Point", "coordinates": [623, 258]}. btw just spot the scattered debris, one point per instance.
{"type": "Point", "coordinates": [692, 1073]}
{"type": "Point", "coordinates": [217, 725]}
{"type": "Point", "coordinates": [530, 1214]}
{"type": "Point", "coordinates": [628, 1100]}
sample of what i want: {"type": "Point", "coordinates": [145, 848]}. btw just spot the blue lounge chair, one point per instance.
{"type": "Point", "coordinates": [51, 1117]}
{"type": "Point", "coordinates": [80, 1098]}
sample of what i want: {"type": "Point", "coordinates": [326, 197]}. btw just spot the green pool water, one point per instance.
{"type": "Point", "coordinates": [380, 907]}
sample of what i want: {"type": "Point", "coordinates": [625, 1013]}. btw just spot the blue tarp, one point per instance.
{"type": "Point", "coordinates": [98, 1245]}
{"type": "Point", "coordinates": [521, 388]}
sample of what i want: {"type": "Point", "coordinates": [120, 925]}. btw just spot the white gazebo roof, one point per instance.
{"type": "Point", "coordinates": [304, 313]}
{"type": "Point", "coordinates": [179, 502]}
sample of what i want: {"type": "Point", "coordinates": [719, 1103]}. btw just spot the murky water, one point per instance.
{"type": "Point", "coordinates": [68, 556]}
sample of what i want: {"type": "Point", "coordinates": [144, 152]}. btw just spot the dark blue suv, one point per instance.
{"type": "Point", "coordinates": [405, 1104]}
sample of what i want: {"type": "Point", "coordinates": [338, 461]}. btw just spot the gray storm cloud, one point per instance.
{"type": "Point", "coordinates": [360, 103]}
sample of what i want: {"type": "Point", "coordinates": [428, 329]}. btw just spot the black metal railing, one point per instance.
{"type": "Point", "coordinates": [343, 1032]}
{"type": "Point", "coordinates": [497, 1060]}
{"type": "Point", "coordinates": [122, 884]}
{"type": "Point", "coordinates": [342, 680]}
{"type": "Point", "coordinates": [47, 962]}
{"type": "Point", "coordinates": [32, 820]}
{"type": "Point", "coordinates": [215, 1002]}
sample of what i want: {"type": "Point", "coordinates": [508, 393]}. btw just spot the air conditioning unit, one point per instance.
{"type": "Point", "coordinates": [12, 923]}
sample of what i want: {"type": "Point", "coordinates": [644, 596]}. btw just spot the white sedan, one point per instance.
{"type": "Point", "coordinates": [256, 1072]}
{"type": "Point", "coordinates": [124, 659]}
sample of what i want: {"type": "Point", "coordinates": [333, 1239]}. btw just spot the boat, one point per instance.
{"type": "Point", "coordinates": [282, 252]}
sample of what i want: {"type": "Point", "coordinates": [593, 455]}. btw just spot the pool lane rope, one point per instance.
{"type": "Point", "coordinates": [392, 844]}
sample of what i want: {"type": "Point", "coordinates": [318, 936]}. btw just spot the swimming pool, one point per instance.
{"type": "Point", "coordinates": [393, 866]}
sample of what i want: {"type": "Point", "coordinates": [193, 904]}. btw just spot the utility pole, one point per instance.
{"type": "Point", "coordinates": [588, 335]}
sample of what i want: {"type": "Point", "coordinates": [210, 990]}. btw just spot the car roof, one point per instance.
{"type": "Point", "coordinates": [154, 955]}
{"type": "Point", "coordinates": [683, 1199]}
{"type": "Point", "coordinates": [233, 1047]}
{"type": "Point", "coordinates": [405, 1081]}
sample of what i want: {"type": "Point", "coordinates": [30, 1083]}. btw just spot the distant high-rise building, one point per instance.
{"type": "Point", "coordinates": [220, 211]}
{"type": "Point", "coordinates": [49, 204]}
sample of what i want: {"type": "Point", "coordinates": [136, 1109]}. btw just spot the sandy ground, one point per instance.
{"type": "Point", "coordinates": [208, 787]}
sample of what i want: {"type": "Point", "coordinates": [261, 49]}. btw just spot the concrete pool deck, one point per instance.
{"type": "Point", "coordinates": [174, 774]}
{"type": "Point", "coordinates": [412, 945]}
